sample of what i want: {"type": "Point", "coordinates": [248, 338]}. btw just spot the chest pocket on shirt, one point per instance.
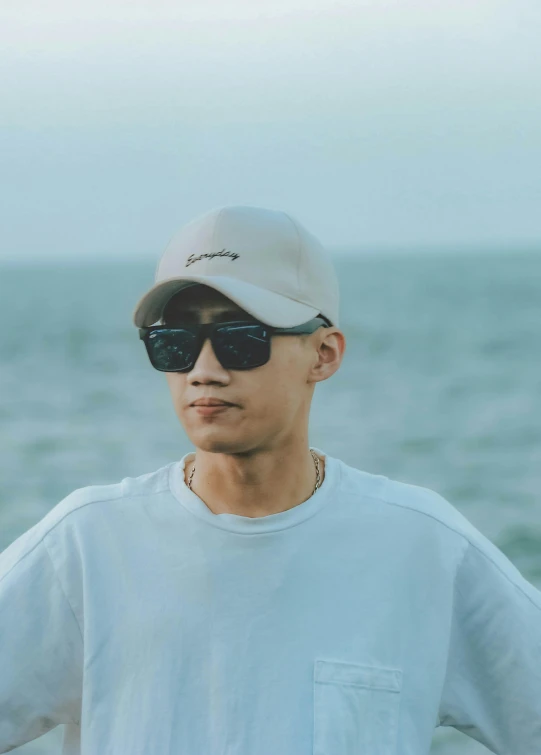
{"type": "Point", "coordinates": [355, 708]}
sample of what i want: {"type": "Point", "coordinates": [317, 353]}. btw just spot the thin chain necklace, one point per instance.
{"type": "Point", "coordinates": [315, 457]}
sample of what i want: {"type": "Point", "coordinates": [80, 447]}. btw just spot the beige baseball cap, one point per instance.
{"type": "Point", "coordinates": [263, 260]}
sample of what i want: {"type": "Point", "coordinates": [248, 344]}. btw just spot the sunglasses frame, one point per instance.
{"type": "Point", "coordinates": [202, 332]}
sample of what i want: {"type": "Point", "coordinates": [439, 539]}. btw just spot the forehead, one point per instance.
{"type": "Point", "coordinates": [202, 300]}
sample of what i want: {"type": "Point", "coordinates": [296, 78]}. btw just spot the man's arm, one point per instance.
{"type": "Point", "coordinates": [41, 647]}
{"type": "Point", "coordinates": [492, 689]}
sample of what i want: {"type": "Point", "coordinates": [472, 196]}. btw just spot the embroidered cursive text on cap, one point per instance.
{"type": "Point", "coordinates": [224, 253]}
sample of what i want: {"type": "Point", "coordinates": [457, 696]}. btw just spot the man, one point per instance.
{"type": "Point", "coordinates": [260, 597]}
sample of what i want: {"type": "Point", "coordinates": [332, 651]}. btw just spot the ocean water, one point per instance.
{"type": "Point", "coordinates": [440, 387]}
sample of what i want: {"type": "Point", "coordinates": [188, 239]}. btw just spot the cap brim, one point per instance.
{"type": "Point", "coordinates": [270, 308]}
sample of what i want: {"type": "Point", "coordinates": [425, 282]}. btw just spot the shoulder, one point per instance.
{"type": "Point", "coordinates": [79, 505]}
{"type": "Point", "coordinates": [409, 502]}
{"type": "Point", "coordinates": [129, 489]}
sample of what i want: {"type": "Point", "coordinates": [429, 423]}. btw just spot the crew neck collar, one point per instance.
{"type": "Point", "coordinates": [254, 525]}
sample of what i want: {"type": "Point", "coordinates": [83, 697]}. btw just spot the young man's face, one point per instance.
{"type": "Point", "coordinates": [270, 402]}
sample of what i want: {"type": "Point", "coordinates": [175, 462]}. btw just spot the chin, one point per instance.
{"type": "Point", "coordinates": [214, 440]}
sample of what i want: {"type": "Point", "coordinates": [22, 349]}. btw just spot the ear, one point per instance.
{"type": "Point", "coordinates": [329, 350]}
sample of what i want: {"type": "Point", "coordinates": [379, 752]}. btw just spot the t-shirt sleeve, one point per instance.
{"type": "Point", "coordinates": [492, 688]}
{"type": "Point", "coordinates": [41, 654]}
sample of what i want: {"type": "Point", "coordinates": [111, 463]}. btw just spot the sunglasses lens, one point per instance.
{"type": "Point", "coordinates": [242, 347]}
{"type": "Point", "coordinates": [238, 347]}
{"type": "Point", "coordinates": [171, 350]}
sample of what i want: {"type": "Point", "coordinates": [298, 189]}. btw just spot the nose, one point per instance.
{"type": "Point", "coordinates": [207, 368]}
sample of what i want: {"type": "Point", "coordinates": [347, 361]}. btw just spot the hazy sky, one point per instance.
{"type": "Point", "coordinates": [387, 123]}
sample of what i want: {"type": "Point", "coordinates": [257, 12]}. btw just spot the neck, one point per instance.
{"type": "Point", "coordinates": [254, 484]}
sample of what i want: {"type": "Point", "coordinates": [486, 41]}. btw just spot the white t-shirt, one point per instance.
{"type": "Point", "coordinates": [352, 624]}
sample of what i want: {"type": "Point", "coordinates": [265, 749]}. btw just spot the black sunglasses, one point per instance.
{"type": "Point", "coordinates": [238, 345]}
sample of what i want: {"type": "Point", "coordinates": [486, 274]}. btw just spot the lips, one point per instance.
{"type": "Point", "coordinates": [210, 402]}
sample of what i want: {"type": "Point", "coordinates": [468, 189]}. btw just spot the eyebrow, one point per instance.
{"type": "Point", "coordinates": [218, 316]}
